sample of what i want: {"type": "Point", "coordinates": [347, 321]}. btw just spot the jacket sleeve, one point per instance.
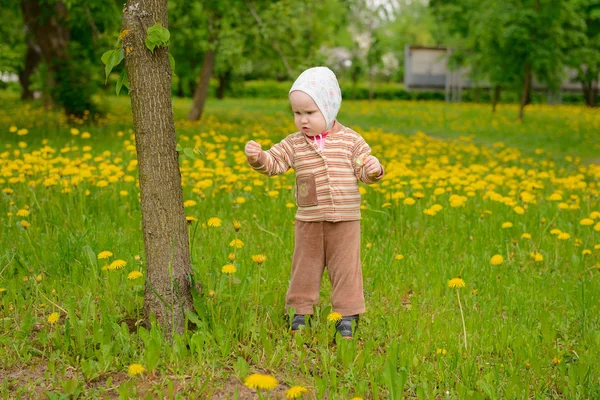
{"type": "Point", "coordinates": [360, 151]}
{"type": "Point", "coordinates": [275, 161]}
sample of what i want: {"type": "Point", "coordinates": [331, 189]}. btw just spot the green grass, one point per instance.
{"type": "Point", "coordinates": [532, 327]}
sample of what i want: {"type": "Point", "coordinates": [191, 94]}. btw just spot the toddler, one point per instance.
{"type": "Point", "coordinates": [329, 159]}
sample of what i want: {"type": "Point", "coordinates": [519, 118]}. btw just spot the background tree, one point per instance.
{"type": "Point", "coordinates": [510, 42]}
{"type": "Point", "coordinates": [169, 273]}
{"type": "Point", "coordinates": [585, 57]}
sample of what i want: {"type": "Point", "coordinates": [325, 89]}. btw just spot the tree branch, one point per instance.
{"type": "Point", "coordinates": [275, 44]}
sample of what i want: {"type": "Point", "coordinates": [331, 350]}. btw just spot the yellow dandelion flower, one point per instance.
{"type": "Point", "coordinates": [563, 236]}
{"type": "Point", "coordinates": [556, 360]}
{"type": "Point", "coordinates": [555, 197]}
{"type": "Point", "coordinates": [496, 259]}
{"type": "Point", "coordinates": [53, 318]}
{"type": "Point", "coordinates": [237, 243]}
{"type": "Point", "coordinates": [189, 203]}
{"type": "Point", "coordinates": [409, 201]}
{"type": "Point", "coordinates": [506, 225]}
{"type": "Point", "coordinates": [474, 291]}
{"type": "Point", "coordinates": [519, 210]}
{"type": "Point", "coordinates": [584, 222]}
{"type": "Point", "coordinates": [334, 317]}
{"type": "Point", "coordinates": [260, 381]}
{"type": "Point", "coordinates": [290, 205]}
{"type": "Point", "coordinates": [441, 351]}
{"type": "Point", "coordinates": [231, 257]}
{"type": "Point", "coordinates": [399, 257]}
{"type": "Point", "coordinates": [456, 283]}
{"type": "Point", "coordinates": [555, 231]}
{"type": "Point", "coordinates": [597, 227]}
{"type": "Point", "coordinates": [191, 219]}
{"type": "Point", "coordinates": [117, 264]}
{"type": "Point", "coordinates": [595, 214]}
{"type": "Point", "coordinates": [135, 369]}
{"type": "Point", "coordinates": [23, 213]}
{"type": "Point", "coordinates": [25, 224]}
{"type": "Point", "coordinates": [215, 222]}
{"type": "Point", "coordinates": [240, 200]}
{"type": "Point", "coordinates": [12, 129]}
{"type": "Point", "coordinates": [295, 391]}
{"type": "Point", "coordinates": [526, 236]}
{"type": "Point", "coordinates": [259, 258]}
{"type": "Point", "coordinates": [597, 247]}
{"type": "Point", "coordinates": [22, 132]}
{"type": "Point", "coordinates": [273, 193]}
{"type": "Point", "coordinates": [386, 205]}
{"type": "Point", "coordinates": [237, 225]}
{"type": "Point", "coordinates": [538, 257]}
{"type": "Point", "coordinates": [38, 278]}
{"type": "Point", "coordinates": [133, 275]}
{"type": "Point", "coordinates": [228, 269]}
{"type": "Point", "coordinates": [104, 254]}
{"type": "Point", "coordinates": [74, 131]}
{"type": "Point", "coordinates": [86, 135]}
{"type": "Point", "coordinates": [586, 252]}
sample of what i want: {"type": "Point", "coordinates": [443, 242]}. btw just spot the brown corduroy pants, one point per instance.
{"type": "Point", "coordinates": [337, 246]}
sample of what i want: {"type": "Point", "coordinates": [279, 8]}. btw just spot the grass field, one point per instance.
{"type": "Point", "coordinates": [512, 209]}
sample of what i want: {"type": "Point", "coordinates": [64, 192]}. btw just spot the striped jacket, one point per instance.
{"type": "Point", "coordinates": [327, 181]}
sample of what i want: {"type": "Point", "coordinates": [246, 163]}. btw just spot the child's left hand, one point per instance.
{"type": "Point", "coordinates": [372, 166]}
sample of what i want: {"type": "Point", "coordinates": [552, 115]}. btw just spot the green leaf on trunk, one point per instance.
{"type": "Point", "coordinates": [188, 151]}
{"type": "Point", "coordinates": [122, 81]}
{"type": "Point", "coordinates": [172, 62]}
{"type": "Point", "coordinates": [111, 59]}
{"type": "Point", "coordinates": [157, 36]}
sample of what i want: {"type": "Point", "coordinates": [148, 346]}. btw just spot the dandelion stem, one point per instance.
{"type": "Point", "coordinates": [51, 302]}
{"type": "Point", "coordinates": [463, 318]}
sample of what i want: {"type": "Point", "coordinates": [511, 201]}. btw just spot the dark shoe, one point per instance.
{"type": "Point", "coordinates": [298, 322]}
{"type": "Point", "coordinates": [344, 326]}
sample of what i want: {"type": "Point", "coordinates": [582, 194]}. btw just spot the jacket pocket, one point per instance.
{"type": "Point", "coordinates": [306, 190]}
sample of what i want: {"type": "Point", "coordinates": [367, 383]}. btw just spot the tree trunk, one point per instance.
{"type": "Point", "coordinates": [223, 82]}
{"type": "Point", "coordinates": [589, 93]}
{"type": "Point", "coordinates": [168, 273]}
{"type": "Point", "coordinates": [495, 98]}
{"type": "Point", "coordinates": [201, 92]}
{"type": "Point", "coordinates": [33, 56]}
{"type": "Point", "coordinates": [526, 93]}
{"type": "Point", "coordinates": [47, 25]}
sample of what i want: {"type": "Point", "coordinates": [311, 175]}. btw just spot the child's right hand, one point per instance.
{"type": "Point", "coordinates": [252, 150]}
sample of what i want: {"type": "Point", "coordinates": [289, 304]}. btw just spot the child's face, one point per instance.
{"type": "Point", "coordinates": [307, 116]}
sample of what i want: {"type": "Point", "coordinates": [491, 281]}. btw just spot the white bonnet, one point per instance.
{"type": "Point", "coordinates": [321, 84]}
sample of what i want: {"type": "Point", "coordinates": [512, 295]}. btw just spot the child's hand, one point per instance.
{"type": "Point", "coordinates": [252, 150]}
{"type": "Point", "coordinates": [372, 166]}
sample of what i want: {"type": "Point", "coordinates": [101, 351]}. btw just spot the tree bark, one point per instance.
{"type": "Point", "coordinates": [201, 92]}
{"type": "Point", "coordinates": [526, 93]}
{"type": "Point", "coordinates": [496, 97]}
{"type": "Point", "coordinates": [33, 56]}
{"type": "Point", "coordinates": [168, 275]}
